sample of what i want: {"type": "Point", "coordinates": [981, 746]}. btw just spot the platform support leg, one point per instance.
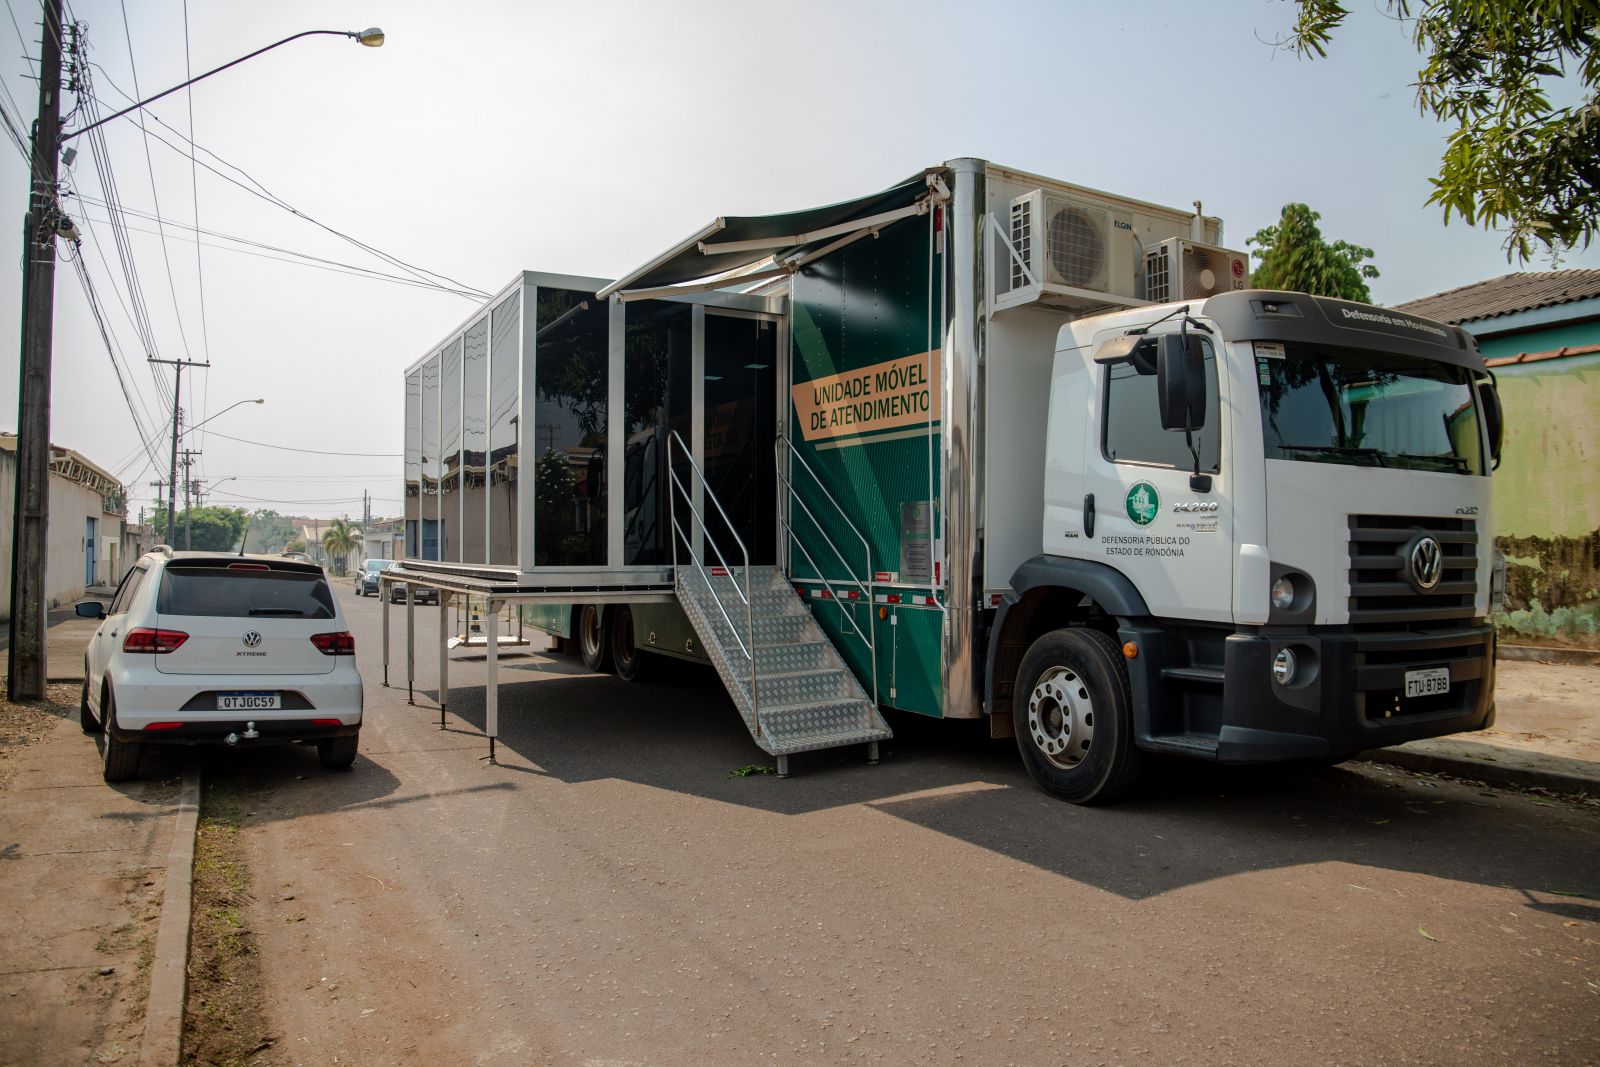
{"type": "Point", "coordinates": [491, 693]}
{"type": "Point", "coordinates": [444, 656]}
{"type": "Point", "coordinates": [783, 766]}
{"type": "Point", "coordinates": [384, 594]}
{"type": "Point", "coordinates": [411, 644]}
{"type": "Point", "coordinates": [872, 753]}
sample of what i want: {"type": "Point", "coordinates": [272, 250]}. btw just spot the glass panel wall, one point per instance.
{"type": "Point", "coordinates": [413, 453]}
{"type": "Point", "coordinates": [431, 467]}
{"type": "Point", "coordinates": [657, 394]}
{"type": "Point", "coordinates": [450, 455]}
{"type": "Point", "coordinates": [474, 441]}
{"type": "Point", "coordinates": [740, 402]}
{"type": "Point", "coordinates": [570, 419]}
{"type": "Point", "coordinates": [505, 328]}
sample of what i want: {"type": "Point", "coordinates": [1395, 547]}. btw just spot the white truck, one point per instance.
{"type": "Point", "coordinates": [1041, 456]}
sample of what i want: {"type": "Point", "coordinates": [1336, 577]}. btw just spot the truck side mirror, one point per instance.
{"type": "Point", "coordinates": [1494, 417]}
{"type": "Point", "coordinates": [1181, 381]}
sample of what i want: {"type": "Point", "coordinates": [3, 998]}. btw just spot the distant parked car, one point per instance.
{"type": "Point", "coordinates": [397, 591]}
{"type": "Point", "coordinates": [200, 648]}
{"type": "Point", "coordinates": [367, 577]}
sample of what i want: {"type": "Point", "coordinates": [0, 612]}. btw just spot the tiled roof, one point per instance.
{"type": "Point", "coordinates": [1506, 295]}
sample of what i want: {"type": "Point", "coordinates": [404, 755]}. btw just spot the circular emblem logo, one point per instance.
{"type": "Point", "coordinates": [1427, 563]}
{"type": "Point", "coordinates": [1144, 503]}
{"type": "Point", "coordinates": [251, 639]}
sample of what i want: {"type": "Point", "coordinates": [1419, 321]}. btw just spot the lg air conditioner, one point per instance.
{"type": "Point", "coordinates": [1070, 252]}
{"type": "Point", "coordinates": [1181, 269]}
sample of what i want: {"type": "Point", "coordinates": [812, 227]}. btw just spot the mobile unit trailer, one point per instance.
{"type": "Point", "coordinates": [982, 444]}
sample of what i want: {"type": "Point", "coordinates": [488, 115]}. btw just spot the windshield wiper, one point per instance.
{"type": "Point", "coordinates": [1376, 455]}
{"type": "Point", "coordinates": [1451, 461]}
{"type": "Point", "coordinates": [293, 613]}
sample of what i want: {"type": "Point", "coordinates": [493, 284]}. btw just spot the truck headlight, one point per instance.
{"type": "Point", "coordinates": [1282, 592]}
{"type": "Point", "coordinates": [1283, 666]}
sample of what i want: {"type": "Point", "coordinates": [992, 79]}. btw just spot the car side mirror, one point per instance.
{"type": "Point", "coordinates": [1181, 381]}
{"type": "Point", "coordinates": [1494, 417]}
{"type": "Point", "coordinates": [91, 609]}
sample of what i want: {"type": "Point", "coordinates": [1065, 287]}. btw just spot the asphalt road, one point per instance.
{"type": "Point", "coordinates": [610, 894]}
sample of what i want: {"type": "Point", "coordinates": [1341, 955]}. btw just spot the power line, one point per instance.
{"type": "Point", "coordinates": [257, 189]}
{"type": "Point", "coordinates": [311, 451]}
{"type": "Point", "coordinates": [155, 197]}
{"type": "Point", "coordinates": [304, 259]}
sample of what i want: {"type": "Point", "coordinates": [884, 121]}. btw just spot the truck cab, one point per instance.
{"type": "Point", "coordinates": [1265, 529]}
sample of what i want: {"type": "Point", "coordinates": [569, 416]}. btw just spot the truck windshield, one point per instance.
{"type": "Point", "coordinates": [1321, 404]}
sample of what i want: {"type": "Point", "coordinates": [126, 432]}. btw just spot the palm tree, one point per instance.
{"type": "Point", "coordinates": [339, 540]}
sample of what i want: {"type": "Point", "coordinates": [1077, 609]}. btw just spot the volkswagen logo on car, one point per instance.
{"type": "Point", "coordinates": [251, 638]}
{"type": "Point", "coordinates": [1427, 563]}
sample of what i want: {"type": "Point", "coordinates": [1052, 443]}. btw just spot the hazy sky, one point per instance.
{"type": "Point", "coordinates": [485, 138]}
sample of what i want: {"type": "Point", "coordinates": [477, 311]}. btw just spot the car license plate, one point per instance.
{"type": "Point", "coordinates": [1427, 683]}
{"type": "Point", "coordinates": [248, 702]}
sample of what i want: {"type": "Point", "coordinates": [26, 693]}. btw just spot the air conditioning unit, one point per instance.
{"type": "Point", "coordinates": [1069, 252]}
{"type": "Point", "coordinates": [1180, 269]}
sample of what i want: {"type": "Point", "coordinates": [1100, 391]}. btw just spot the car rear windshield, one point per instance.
{"type": "Point", "coordinates": [376, 565]}
{"type": "Point", "coordinates": [233, 592]}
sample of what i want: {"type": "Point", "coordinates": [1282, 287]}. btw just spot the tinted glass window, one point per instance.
{"type": "Point", "coordinates": [656, 370]}
{"type": "Point", "coordinates": [413, 451]}
{"type": "Point", "coordinates": [1133, 432]}
{"type": "Point", "coordinates": [505, 402]}
{"type": "Point", "coordinates": [228, 593]}
{"type": "Point", "coordinates": [125, 595]}
{"type": "Point", "coordinates": [1332, 405]}
{"type": "Point", "coordinates": [571, 376]}
{"type": "Point", "coordinates": [474, 441]}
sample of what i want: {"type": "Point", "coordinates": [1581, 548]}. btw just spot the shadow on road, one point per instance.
{"type": "Point", "coordinates": [682, 733]}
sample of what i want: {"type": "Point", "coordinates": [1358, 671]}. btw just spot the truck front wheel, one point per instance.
{"type": "Point", "coordinates": [1074, 716]}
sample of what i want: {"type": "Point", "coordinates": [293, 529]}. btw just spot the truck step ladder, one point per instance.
{"type": "Point", "coordinates": [793, 689]}
{"type": "Point", "coordinates": [804, 695]}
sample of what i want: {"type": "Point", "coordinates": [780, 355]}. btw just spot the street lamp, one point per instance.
{"type": "Point", "coordinates": [224, 411]}
{"type": "Point", "coordinates": [25, 655]}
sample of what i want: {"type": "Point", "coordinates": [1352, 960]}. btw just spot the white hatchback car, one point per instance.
{"type": "Point", "coordinates": [201, 648]}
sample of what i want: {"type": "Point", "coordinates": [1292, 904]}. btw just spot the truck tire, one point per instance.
{"type": "Point", "coordinates": [593, 641]}
{"type": "Point", "coordinates": [632, 665]}
{"type": "Point", "coordinates": [121, 758]}
{"type": "Point", "coordinates": [1073, 715]}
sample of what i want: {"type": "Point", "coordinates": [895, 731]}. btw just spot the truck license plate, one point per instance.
{"type": "Point", "coordinates": [1427, 683]}
{"type": "Point", "coordinates": [265, 701]}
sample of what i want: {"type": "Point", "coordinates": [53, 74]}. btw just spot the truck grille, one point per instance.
{"type": "Point", "coordinates": [1381, 587]}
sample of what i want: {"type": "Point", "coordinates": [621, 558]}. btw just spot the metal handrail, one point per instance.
{"type": "Point", "coordinates": [749, 651]}
{"type": "Point", "coordinates": [782, 446]}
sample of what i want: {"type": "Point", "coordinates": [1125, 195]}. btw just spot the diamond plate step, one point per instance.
{"type": "Point", "coordinates": [808, 727]}
{"type": "Point", "coordinates": [800, 687]}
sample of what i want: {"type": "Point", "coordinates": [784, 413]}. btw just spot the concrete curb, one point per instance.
{"type": "Point", "coordinates": [1571, 657]}
{"type": "Point", "coordinates": [1483, 771]}
{"type": "Point", "coordinates": [169, 973]}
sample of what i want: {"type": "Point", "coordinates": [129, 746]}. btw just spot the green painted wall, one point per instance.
{"type": "Point", "coordinates": [1548, 339]}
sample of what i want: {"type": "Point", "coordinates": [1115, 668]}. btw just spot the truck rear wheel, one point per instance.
{"type": "Point", "coordinates": [1074, 716]}
{"type": "Point", "coordinates": [625, 655]}
{"type": "Point", "coordinates": [592, 643]}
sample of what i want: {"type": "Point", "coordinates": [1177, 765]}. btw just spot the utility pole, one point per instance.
{"type": "Point", "coordinates": [188, 485]}
{"type": "Point", "coordinates": [25, 659]}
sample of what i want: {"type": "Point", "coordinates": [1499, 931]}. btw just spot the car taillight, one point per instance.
{"type": "Point", "coordinates": [163, 725]}
{"type": "Point", "coordinates": [326, 722]}
{"type": "Point", "coordinates": [146, 639]}
{"type": "Point", "coordinates": [339, 644]}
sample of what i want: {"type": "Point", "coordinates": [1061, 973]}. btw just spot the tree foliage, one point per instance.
{"type": "Point", "coordinates": [1294, 256]}
{"type": "Point", "coordinates": [208, 529]}
{"type": "Point", "coordinates": [1515, 159]}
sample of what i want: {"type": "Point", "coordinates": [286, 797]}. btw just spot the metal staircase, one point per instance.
{"type": "Point", "coordinates": [791, 686]}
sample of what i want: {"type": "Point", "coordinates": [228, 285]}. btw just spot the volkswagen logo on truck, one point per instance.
{"type": "Point", "coordinates": [1427, 563]}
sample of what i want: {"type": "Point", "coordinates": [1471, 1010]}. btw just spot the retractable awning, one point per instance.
{"type": "Point", "coordinates": [724, 252]}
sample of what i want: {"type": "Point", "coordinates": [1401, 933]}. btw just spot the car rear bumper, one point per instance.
{"type": "Point", "coordinates": [191, 700]}
{"type": "Point", "coordinates": [265, 732]}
